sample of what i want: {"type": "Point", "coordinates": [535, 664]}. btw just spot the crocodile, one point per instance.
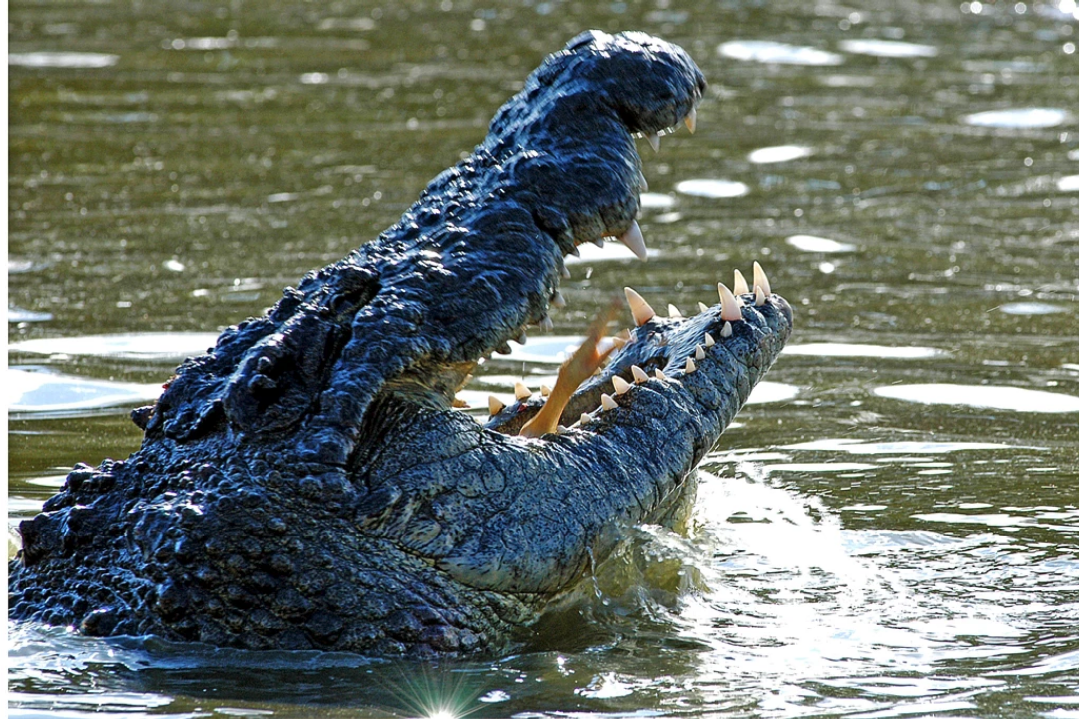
{"type": "Point", "coordinates": [308, 483]}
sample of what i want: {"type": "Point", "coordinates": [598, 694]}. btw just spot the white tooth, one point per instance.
{"type": "Point", "coordinates": [740, 287]}
{"type": "Point", "coordinates": [565, 272]}
{"type": "Point", "coordinates": [660, 375]}
{"type": "Point", "coordinates": [759, 296]}
{"type": "Point", "coordinates": [642, 183]}
{"type": "Point", "coordinates": [638, 307]}
{"type": "Point", "coordinates": [522, 338]}
{"type": "Point", "coordinates": [725, 331]}
{"type": "Point", "coordinates": [633, 239]}
{"type": "Point", "coordinates": [561, 429]}
{"type": "Point", "coordinates": [494, 405]}
{"type": "Point", "coordinates": [558, 301]}
{"type": "Point", "coordinates": [654, 141]}
{"type": "Point", "coordinates": [621, 385]}
{"type": "Point", "coordinates": [709, 341]}
{"type": "Point", "coordinates": [639, 374]}
{"type": "Point", "coordinates": [691, 120]}
{"type": "Point", "coordinates": [760, 280]}
{"type": "Point", "coordinates": [585, 418]}
{"type": "Point", "coordinates": [546, 324]}
{"type": "Point", "coordinates": [699, 353]}
{"type": "Point", "coordinates": [521, 391]}
{"type": "Point", "coordinates": [729, 306]}
{"type": "Point", "coordinates": [545, 391]}
{"type": "Point", "coordinates": [606, 402]}
{"type": "Point", "coordinates": [673, 312]}
{"type": "Point", "coordinates": [690, 366]}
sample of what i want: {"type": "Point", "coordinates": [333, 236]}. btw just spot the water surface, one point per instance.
{"type": "Point", "coordinates": [889, 529]}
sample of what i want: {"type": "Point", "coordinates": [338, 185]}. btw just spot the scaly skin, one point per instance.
{"type": "Point", "coordinates": [305, 484]}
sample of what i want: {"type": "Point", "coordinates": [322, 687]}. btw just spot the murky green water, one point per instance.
{"type": "Point", "coordinates": [891, 528]}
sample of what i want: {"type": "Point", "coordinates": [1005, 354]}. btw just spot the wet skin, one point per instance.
{"type": "Point", "coordinates": [307, 484]}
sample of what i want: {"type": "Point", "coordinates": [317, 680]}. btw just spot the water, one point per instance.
{"type": "Point", "coordinates": [890, 528]}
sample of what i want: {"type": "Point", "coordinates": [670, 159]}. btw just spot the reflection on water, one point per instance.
{"type": "Point", "coordinates": [780, 53]}
{"type": "Point", "coordinates": [1017, 399]}
{"type": "Point", "coordinates": [889, 530]}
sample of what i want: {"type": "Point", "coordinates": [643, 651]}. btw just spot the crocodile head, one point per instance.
{"type": "Point", "coordinates": [307, 482]}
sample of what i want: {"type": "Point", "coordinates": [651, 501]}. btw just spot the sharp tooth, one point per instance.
{"type": "Point", "coordinates": [660, 375]}
{"type": "Point", "coordinates": [575, 251]}
{"type": "Point", "coordinates": [565, 272]}
{"type": "Point", "coordinates": [522, 338]}
{"type": "Point", "coordinates": [690, 366]}
{"type": "Point", "coordinates": [503, 349]}
{"type": "Point", "coordinates": [621, 385]}
{"type": "Point", "coordinates": [546, 324]}
{"type": "Point", "coordinates": [729, 306]}
{"type": "Point", "coordinates": [521, 391]}
{"type": "Point", "coordinates": [759, 296]}
{"type": "Point", "coordinates": [725, 331]}
{"type": "Point", "coordinates": [691, 120]}
{"type": "Point", "coordinates": [619, 342]}
{"type": "Point", "coordinates": [599, 242]}
{"type": "Point", "coordinates": [545, 391]}
{"type": "Point", "coordinates": [558, 301]}
{"type": "Point", "coordinates": [494, 405]}
{"type": "Point", "coordinates": [699, 353]}
{"type": "Point", "coordinates": [623, 334]}
{"type": "Point", "coordinates": [673, 312]}
{"type": "Point", "coordinates": [460, 404]}
{"type": "Point", "coordinates": [638, 307]}
{"type": "Point", "coordinates": [760, 280]}
{"type": "Point", "coordinates": [740, 287]}
{"type": "Point", "coordinates": [585, 418]}
{"type": "Point", "coordinates": [654, 141]}
{"type": "Point", "coordinates": [639, 374]}
{"type": "Point", "coordinates": [702, 307]}
{"type": "Point", "coordinates": [633, 239]}
{"type": "Point", "coordinates": [606, 402]}
{"type": "Point", "coordinates": [641, 182]}
{"type": "Point", "coordinates": [561, 429]}
{"type": "Point", "coordinates": [709, 341]}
